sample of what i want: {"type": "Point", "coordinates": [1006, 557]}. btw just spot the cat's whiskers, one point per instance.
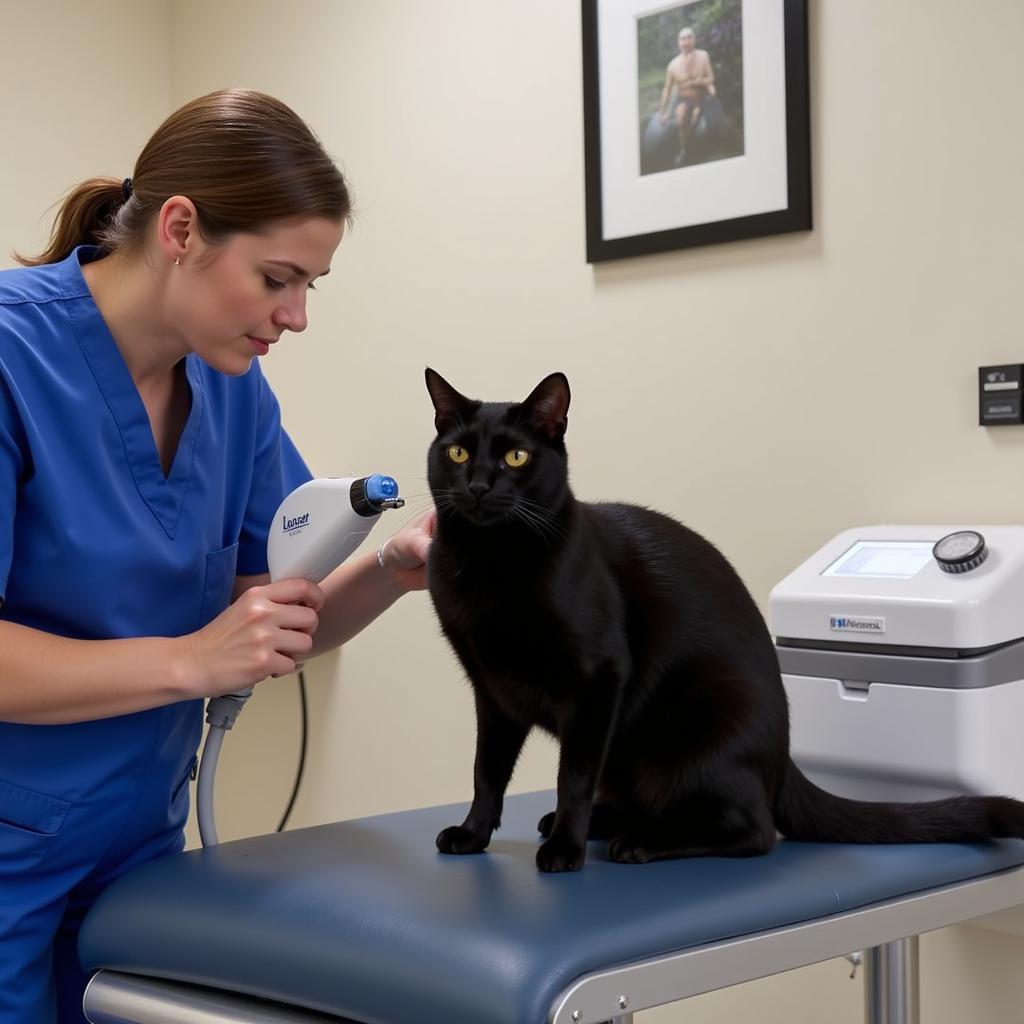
{"type": "Point", "coordinates": [445, 505]}
{"type": "Point", "coordinates": [408, 513]}
{"type": "Point", "coordinates": [544, 526]}
{"type": "Point", "coordinates": [518, 513]}
{"type": "Point", "coordinates": [541, 515]}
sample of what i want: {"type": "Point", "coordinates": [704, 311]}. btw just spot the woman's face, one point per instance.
{"type": "Point", "coordinates": [236, 299]}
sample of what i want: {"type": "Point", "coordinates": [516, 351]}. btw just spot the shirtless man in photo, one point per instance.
{"type": "Point", "coordinates": [691, 74]}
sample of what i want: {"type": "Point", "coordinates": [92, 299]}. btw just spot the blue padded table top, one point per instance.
{"type": "Point", "coordinates": [366, 920]}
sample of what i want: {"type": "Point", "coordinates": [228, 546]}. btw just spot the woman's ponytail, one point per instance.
{"type": "Point", "coordinates": [85, 213]}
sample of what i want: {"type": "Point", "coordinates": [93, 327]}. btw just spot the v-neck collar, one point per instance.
{"type": "Point", "coordinates": [163, 495]}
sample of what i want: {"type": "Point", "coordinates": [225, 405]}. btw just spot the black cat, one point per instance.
{"type": "Point", "coordinates": [633, 641]}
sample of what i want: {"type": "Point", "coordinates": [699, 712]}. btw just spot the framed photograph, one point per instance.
{"type": "Point", "coordinates": [696, 123]}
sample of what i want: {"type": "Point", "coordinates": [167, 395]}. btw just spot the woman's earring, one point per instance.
{"type": "Point", "coordinates": [177, 261]}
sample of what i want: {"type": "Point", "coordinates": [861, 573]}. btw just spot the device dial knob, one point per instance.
{"type": "Point", "coordinates": [961, 551]}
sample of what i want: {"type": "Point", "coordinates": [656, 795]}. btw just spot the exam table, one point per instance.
{"type": "Point", "coordinates": [365, 921]}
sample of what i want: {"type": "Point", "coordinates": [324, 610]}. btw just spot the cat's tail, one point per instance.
{"type": "Point", "coordinates": [804, 811]}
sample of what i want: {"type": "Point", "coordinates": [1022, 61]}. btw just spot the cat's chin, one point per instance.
{"type": "Point", "coordinates": [483, 516]}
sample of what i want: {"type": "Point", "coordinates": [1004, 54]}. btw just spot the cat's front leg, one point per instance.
{"type": "Point", "coordinates": [499, 740]}
{"type": "Point", "coordinates": [584, 736]}
{"type": "Point", "coordinates": [607, 820]}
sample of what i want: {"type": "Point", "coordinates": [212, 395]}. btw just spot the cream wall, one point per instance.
{"type": "Point", "coordinates": [769, 393]}
{"type": "Point", "coordinates": [83, 84]}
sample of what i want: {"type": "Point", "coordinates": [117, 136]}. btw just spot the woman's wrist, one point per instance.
{"type": "Point", "coordinates": [183, 678]}
{"type": "Point", "coordinates": [396, 575]}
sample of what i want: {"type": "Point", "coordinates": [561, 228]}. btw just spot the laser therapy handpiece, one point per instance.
{"type": "Point", "coordinates": [313, 531]}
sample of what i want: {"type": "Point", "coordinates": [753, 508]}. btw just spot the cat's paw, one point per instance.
{"type": "Point", "coordinates": [545, 823]}
{"type": "Point", "coordinates": [629, 849]}
{"type": "Point", "coordinates": [457, 839]}
{"type": "Point", "coordinates": [560, 853]}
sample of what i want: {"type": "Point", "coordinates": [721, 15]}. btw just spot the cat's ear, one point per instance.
{"type": "Point", "coordinates": [547, 407]}
{"type": "Point", "coordinates": [450, 408]}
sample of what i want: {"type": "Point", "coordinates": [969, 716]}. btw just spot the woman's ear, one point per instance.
{"type": "Point", "coordinates": [177, 231]}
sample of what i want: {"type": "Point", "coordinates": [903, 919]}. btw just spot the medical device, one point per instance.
{"type": "Point", "coordinates": [313, 531]}
{"type": "Point", "coordinates": [902, 654]}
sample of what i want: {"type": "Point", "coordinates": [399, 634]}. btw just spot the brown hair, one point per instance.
{"type": "Point", "coordinates": [244, 158]}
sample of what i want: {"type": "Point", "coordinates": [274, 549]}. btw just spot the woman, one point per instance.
{"type": "Point", "coordinates": [141, 461]}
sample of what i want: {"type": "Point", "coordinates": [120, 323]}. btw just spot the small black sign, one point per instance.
{"type": "Point", "coordinates": [999, 395]}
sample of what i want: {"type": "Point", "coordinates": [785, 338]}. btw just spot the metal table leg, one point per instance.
{"type": "Point", "coordinates": [891, 994]}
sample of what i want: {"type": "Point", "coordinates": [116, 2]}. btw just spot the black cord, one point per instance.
{"type": "Point", "coordinates": [302, 752]}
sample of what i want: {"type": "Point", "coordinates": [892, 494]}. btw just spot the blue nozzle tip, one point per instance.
{"type": "Point", "coordinates": [381, 488]}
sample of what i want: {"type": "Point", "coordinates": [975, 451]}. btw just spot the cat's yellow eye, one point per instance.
{"type": "Point", "coordinates": [457, 453]}
{"type": "Point", "coordinates": [517, 457]}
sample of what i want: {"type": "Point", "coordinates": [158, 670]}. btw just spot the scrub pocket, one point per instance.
{"type": "Point", "coordinates": [220, 579]}
{"type": "Point", "coordinates": [29, 824]}
{"type": "Point", "coordinates": [178, 806]}
{"type": "Point", "coordinates": [182, 783]}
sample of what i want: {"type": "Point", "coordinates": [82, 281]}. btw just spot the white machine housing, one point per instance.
{"type": "Point", "coordinates": [905, 682]}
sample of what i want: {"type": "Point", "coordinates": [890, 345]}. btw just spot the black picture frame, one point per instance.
{"type": "Point", "coordinates": [794, 216]}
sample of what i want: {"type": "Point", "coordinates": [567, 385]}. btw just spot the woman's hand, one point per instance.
{"type": "Point", "coordinates": [264, 633]}
{"type": "Point", "coordinates": [405, 554]}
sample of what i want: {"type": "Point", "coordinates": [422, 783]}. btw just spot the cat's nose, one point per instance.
{"type": "Point", "coordinates": [478, 488]}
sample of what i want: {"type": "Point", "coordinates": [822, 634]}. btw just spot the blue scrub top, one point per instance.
{"type": "Point", "coordinates": [94, 541]}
